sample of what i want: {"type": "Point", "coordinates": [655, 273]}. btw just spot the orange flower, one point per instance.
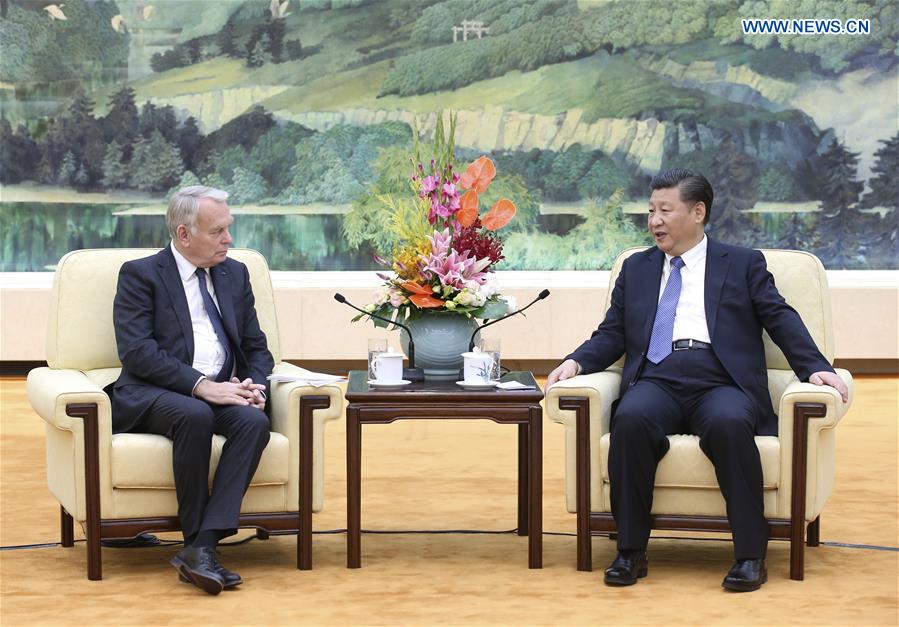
{"type": "Point", "coordinates": [415, 288]}
{"type": "Point", "coordinates": [425, 301]}
{"type": "Point", "coordinates": [469, 211]}
{"type": "Point", "coordinates": [478, 175]}
{"type": "Point", "coordinates": [499, 215]}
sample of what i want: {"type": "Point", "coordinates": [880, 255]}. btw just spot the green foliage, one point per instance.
{"type": "Point", "coordinates": [549, 40]}
{"type": "Point", "coordinates": [246, 187]}
{"type": "Point", "coordinates": [244, 130]}
{"type": "Point", "coordinates": [67, 170]}
{"type": "Point", "coordinates": [604, 178]}
{"type": "Point", "coordinates": [566, 176]}
{"type": "Point", "coordinates": [592, 245]}
{"type": "Point", "coordinates": [623, 24]}
{"type": "Point", "coordinates": [369, 221]}
{"type": "Point", "coordinates": [155, 164]}
{"type": "Point", "coordinates": [776, 185]}
{"type": "Point", "coordinates": [736, 189]}
{"type": "Point", "coordinates": [335, 166]}
{"type": "Point", "coordinates": [34, 47]}
{"type": "Point", "coordinates": [19, 154]}
{"type": "Point", "coordinates": [884, 190]}
{"type": "Point", "coordinates": [188, 179]}
{"type": "Point", "coordinates": [837, 182]}
{"type": "Point", "coordinates": [696, 160]}
{"type": "Point", "coordinates": [502, 16]}
{"type": "Point", "coordinates": [115, 171]}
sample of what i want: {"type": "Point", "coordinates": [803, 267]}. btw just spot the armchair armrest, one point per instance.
{"type": "Point", "coordinates": [600, 388]}
{"type": "Point", "coordinates": [808, 454]}
{"type": "Point", "coordinates": [285, 400]}
{"type": "Point", "coordinates": [798, 392]}
{"type": "Point", "coordinates": [79, 445]}
{"type": "Point", "coordinates": [50, 390]}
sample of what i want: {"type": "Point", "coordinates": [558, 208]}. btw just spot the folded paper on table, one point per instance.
{"type": "Point", "coordinates": [307, 377]}
{"type": "Point", "coordinates": [514, 385]}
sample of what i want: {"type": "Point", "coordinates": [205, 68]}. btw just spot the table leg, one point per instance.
{"type": "Point", "coordinates": [522, 479]}
{"type": "Point", "coordinates": [353, 488]}
{"type": "Point", "coordinates": [535, 485]}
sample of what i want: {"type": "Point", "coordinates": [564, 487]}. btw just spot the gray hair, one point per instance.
{"type": "Point", "coordinates": [185, 205]}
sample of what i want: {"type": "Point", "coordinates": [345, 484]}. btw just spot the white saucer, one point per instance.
{"type": "Point", "coordinates": [388, 384]}
{"type": "Point", "coordinates": [477, 385]}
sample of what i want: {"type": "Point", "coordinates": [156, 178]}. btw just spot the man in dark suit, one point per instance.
{"type": "Point", "coordinates": [194, 363]}
{"type": "Point", "coordinates": [688, 316]}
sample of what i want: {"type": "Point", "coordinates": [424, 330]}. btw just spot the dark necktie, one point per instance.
{"type": "Point", "coordinates": [216, 319]}
{"type": "Point", "coordinates": [663, 327]}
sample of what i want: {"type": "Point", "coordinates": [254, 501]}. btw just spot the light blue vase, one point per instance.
{"type": "Point", "coordinates": [440, 340]}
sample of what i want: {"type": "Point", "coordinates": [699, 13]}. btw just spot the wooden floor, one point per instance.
{"type": "Point", "coordinates": [430, 579]}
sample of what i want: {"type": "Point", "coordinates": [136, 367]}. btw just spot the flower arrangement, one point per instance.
{"type": "Point", "coordinates": [445, 258]}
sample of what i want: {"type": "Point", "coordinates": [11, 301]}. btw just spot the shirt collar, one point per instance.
{"type": "Point", "coordinates": [185, 268]}
{"type": "Point", "coordinates": [693, 256]}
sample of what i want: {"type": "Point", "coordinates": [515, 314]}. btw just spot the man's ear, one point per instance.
{"type": "Point", "coordinates": [699, 211]}
{"type": "Point", "coordinates": [183, 234]}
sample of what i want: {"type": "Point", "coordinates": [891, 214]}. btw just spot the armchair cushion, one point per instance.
{"type": "Point", "coordinates": [685, 465]}
{"type": "Point", "coordinates": [142, 460]}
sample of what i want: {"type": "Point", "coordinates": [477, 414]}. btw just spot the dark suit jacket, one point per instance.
{"type": "Point", "coordinates": [740, 301]}
{"type": "Point", "coordinates": [155, 337]}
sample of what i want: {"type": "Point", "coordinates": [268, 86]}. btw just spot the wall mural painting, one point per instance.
{"type": "Point", "coordinates": [304, 110]}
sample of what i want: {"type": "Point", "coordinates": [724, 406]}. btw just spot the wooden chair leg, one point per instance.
{"type": "Point", "coordinates": [581, 407]}
{"type": "Point", "coordinates": [304, 532]}
{"type": "Point", "coordinates": [66, 528]}
{"type": "Point", "coordinates": [814, 532]}
{"type": "Point", "coordinates": [88, 413]}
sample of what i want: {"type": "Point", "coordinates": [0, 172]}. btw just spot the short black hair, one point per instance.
{"type": "Point", "coordinates": [693, 187]}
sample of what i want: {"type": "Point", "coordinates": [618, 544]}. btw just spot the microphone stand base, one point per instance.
{"type": "Point", "coordinates": [415, 375]}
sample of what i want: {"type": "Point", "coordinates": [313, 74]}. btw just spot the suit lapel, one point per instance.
{"type": "Point", "coordinates": [716, 266]}
{"type": "Point", "coordinates": [648, 294]}
{"type": "Point", "coordinates": [168, 269]}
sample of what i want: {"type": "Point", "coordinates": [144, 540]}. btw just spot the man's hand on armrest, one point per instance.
{"type": "Point", "coordinates": [832, 379]}
{"type": "Point", "coordinates": [567, 369]}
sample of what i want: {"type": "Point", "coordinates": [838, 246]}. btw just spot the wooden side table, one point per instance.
{"type": "Point", "coordinates": [447, 401]}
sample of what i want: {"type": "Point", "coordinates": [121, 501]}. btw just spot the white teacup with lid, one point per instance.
{"type": "Point", "coordinates": [477, 367]}
{"type": "Point", "coordinates": [388, 367]}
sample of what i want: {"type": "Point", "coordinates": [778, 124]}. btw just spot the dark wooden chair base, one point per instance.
{"type": "Point", "coordinates": [95, 529]}
{"type": "Point", "coordinates": [792, 529]}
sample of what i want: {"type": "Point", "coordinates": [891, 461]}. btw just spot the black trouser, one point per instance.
{"type": "Point", "coordinates": [190, 424]}
{"type": "Point", "coordinates": [688, 392]}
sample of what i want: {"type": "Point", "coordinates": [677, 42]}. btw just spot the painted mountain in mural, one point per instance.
{"type": "Point", "coordinates": [305, 112]}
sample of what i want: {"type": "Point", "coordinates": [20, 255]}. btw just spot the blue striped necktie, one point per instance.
{"type": "Point", "coordinates": [216, 319]}
{"type": "Point", "coordinates": [663, 326]}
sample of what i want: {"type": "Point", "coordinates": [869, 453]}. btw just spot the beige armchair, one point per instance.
{"type": "Point", "coordinates": [797, 465]}
{"type": "Point", "coordinates": [120, 485]}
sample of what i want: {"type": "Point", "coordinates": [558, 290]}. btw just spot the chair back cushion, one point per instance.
{"type": "Point", "coordinates": [801, 280]}
{"type": "Point", "coordinates": [81, 334]}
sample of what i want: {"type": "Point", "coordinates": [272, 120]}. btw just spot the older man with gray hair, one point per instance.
{"type": "Point", "coordinates": [194, 364]}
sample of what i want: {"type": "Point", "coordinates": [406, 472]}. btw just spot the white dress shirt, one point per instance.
{"type": "Point", "coordinates": [209, 354]}
{"type": "Point", "coordinates": [689, 318]}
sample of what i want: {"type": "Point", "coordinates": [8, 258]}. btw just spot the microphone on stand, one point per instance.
{"type": "Point", "coordinates": [411, 373]}
{"type": "Point", "coordinates": [540, 296]}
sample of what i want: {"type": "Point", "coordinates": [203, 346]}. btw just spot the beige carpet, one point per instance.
{"type": "Point", "coordinates": [430, 475]}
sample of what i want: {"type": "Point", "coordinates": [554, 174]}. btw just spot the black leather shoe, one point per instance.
{"type": "Point", "coordinates": [746, 576]}
{"type": "Point", "coordinates": [198, 564]}
{"type": "Point", "coordinates": [230, 578]}
{"type": "Point", "coordinates": [627, 568]}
